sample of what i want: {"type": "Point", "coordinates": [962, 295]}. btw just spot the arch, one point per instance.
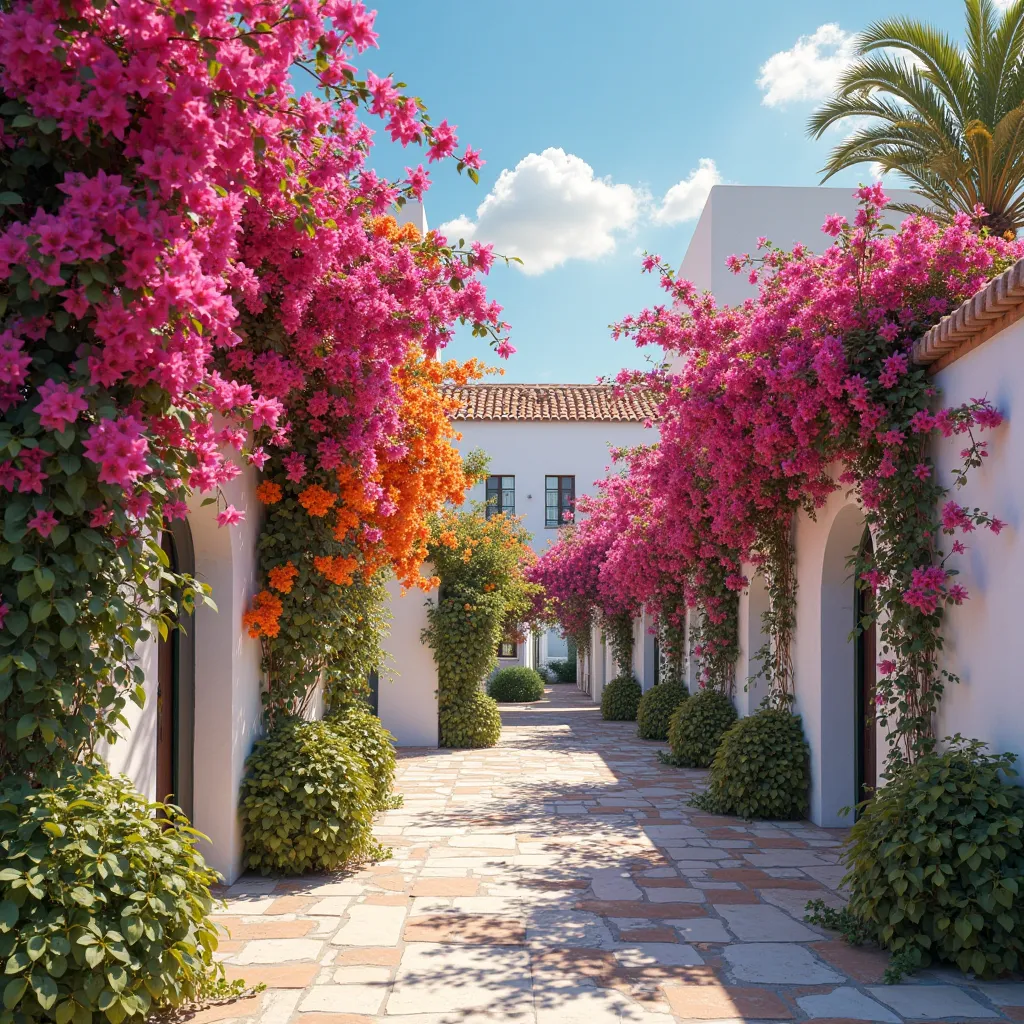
{"type": "Point", "coordinates": [834, 777]}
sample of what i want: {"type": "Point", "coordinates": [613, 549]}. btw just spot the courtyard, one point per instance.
{"type": "Point", "coordinates": [561, 877]}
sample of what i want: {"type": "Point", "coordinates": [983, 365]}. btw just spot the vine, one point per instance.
{"type": "Point", "coordinates": [619, 630]}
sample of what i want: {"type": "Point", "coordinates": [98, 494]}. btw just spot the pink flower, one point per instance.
{"type": "Point", "coordinates": [231, 516]}
{"type": "Point", "coordinates": [886, 668]}
{"type": "Point", "coordinates": [59, 406]}
{"type": "Point", "coordinates": [996, 525]}
{"type": "Point", "coordinates": [922, 471]}
{"type": "Point", "coordinates": [4, 609]}
{"type": "Point", "coordinates": [43, 522]}
{"type": "Point", "coordinates": [101, 517]}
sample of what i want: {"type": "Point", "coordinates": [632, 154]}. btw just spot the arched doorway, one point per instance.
{"type": "Point", "coordinates": [865, 681]}
{"type": "Point", "coordinates": [175, 698]}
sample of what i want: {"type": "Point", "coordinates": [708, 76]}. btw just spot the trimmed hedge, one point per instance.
{"type": "Point", "coordinates": [761, 769]}
{"type": "Point", "coordinates": [936, 862]}
{"type": "Point", "coordinates": [365, 734]}
{"type": "Point", "coordinates": [564, 671]}
{"type": "Point", "coordinates": [697, 727]}
{"type": "Point", "coordinates": [103, 904]}
{"type": "Point", "coordinates": [515, 684]}
{"type": "Point", "coordinates": [620, 700]}
{"type": "Point", "coordinates": [307, 801]}
{"type": "Point", "coordinates": [656, 708]}
{"type": "Point", "coordinates": [474, 721]}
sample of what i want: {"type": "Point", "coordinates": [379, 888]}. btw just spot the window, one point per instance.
{"type": "Point", "coordinates": [501, 495]}
{"type": "Point", "coordinates": [508, 649]}
{"type": "Point", "coordinates": [559, 498]}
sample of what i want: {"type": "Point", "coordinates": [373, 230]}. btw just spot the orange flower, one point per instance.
{"type": "Point", "coordinates": [448, 539]}
{"type": "Point", "coordinates": [282, 577]}
{"type": "Point", "coordinates": [317, 501]}
{"type": "Point", "coordinates": [467, 607]}
{"type": "Point", "coordinates": [263, 619]}
{"type": "Point", "coordinates": [269, 493]}
{"type": "Point", "coordinates": [337, 569]}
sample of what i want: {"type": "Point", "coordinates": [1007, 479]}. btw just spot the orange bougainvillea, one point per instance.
{"type": "Point", "coordinates": [389, 228]}
{"type": "Point", "coordinates": [338, 570]}
{"type": "Point", "coordinates": [317, 501]}
{"type": "Point", "coordinates": [264, 617]}
{"type": "Point", "coordinates": [282, 577]}
{"type": "Point", "coordinates": [269, 493]}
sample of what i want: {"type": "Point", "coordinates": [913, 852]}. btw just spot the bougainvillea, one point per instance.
{"type": "Point", "coordinates": [780, 401]}
{"type": "Point", "coordinates": [192, 274]}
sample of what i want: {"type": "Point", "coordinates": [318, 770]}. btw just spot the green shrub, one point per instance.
{"type": "Point", "coordinates": [620, 700]}
{"type": "Point", "coordinates": [697, 727]}
{"type": "Point", "coordinates": [474, 722]}
{"type": "Point", "coordinates": [307, 801]}
{"type": "Point", "coordinates": [936, 862]}
{"type": "Point", "coordinates": [103, 904]}
{"type": "Point", "coordinates": [515, 683]}
{"type": "Point", "coordinates": [365, 734]}
{"type": "Point", "coordinates": [761, 769]}
{"type": "Point", "coordinates": [655, 710]}
{"type": "Point", "coordinates": [564, 671]}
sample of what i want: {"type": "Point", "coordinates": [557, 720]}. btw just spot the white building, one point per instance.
{"type": "Point", "coordinates": [973, 352]}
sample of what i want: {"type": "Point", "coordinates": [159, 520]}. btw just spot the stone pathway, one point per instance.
{"type": "Point", "coordinates": [562, 878]}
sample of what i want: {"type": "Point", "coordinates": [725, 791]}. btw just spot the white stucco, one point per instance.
{"type": "Point", "coordinates": [753, 604]}
{"type": "Point", "coordinates": [984, 639]}
{"type": "Point", "coordinates": [407, 694]}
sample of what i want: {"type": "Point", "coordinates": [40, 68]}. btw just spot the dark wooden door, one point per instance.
{"type": "Point", "coordinates": [867, 659]}
{"type": "Point", "coordinates": [168, 670]}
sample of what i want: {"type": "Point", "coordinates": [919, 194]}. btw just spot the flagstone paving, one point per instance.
{"type": "Point", "coordinates": [563, 878]}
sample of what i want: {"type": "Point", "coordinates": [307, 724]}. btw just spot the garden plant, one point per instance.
{"type": "Point", "coordinates": [514, 684]}
{"type": "Point", "coordinates": [656, 708]}
{"type": "Point", "coordinates": [620, 699]}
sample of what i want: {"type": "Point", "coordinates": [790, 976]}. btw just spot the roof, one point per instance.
{"type": "Point", "coordinates": [586, 403]}
{"type": "Point", "coordinates": [989, 311]}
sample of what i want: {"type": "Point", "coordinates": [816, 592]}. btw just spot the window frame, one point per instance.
{"type": "Point", "coordinates": [499, 492]}
{"type": "Point", "coordinates": [563, 505]}
{"type": "Point", "coordinates": [502, 644]}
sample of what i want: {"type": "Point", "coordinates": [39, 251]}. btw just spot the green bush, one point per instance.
{"type": "Point", "coordinates": [655, 710]}
{"type": "Point", "coordinates": [515, 683]}
{"type": "Point", "coordinates": [761, 769]}
{"type": "Point", "coordinates": [936, 862]}
{"type": "Point", "coordinates": [363, 731]}
{"type": "Point", "coordinates": [307, 801]}
{"type": "Point", "coordinates": [620, 700]}
{"type": "Point", "coordinates": [697, 727]}
{"type": "Point", "coordinates": [474, 722]}
{"type": "Point", "coordinates": [103, 904]}
{"type": "Point", "coordinates": [564, 671]}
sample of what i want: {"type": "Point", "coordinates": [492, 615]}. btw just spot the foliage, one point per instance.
{"type": "Point", "coordinates": [103, 904]}
{"type": "Point", "coordinates": [945, 115]}
{"type": "Point", "coordinates": [619, 630]}
{"type": "Point", "coordinates": [656, 708]}
{"type": "Point", "coordinates": [672, 649]}
{"type": "Point", "coordinates": [307, 801]}
{"type": "Point", "coordinates": [362, 730]}
{"type": "Point", "coordinates": [620, 700]}
{"type": "Point", "coordinates": [186, 285]}
{"type": "Point", "coordinates": [697, 726]}
{"type": "Point", "coordinates": [936, 862]}
{"type": "Point", "coordinates": [515, 683]}
{"type": "Point", "coordinates": [484, 595]}
{"type": "Point", "coordinates": [564, 671]}
{"type": "Point", "coordinates": [761, 769]}
{"type": "Point", "coordinates": [853, 931]}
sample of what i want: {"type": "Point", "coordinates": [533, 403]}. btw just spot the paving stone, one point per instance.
{"type": "Point", "coordinates": [764, 924]}
{"type": "Point", "coordinates": [379, 956]}
{"type": "Point", "coordinates": [446, 887]}
{"type": "Point", "coordinates": [648, 935]}
{"type": "Point", "coordinates": [931, 1002]}
{"type": "Point", "coordinates": [484, 841]}
{"type": "Point", "coordinates": [777, 963]}
{"type": "Point", "coordinates": [564, 1002]}
{"type": "Point", "coordinates": [437, 978]}
{"type": "Point", "coordinates": [865, 964]}
{"type": "Point", "coordinates": [845, 1003]}
{"type": "Point", "coordinates": [1002, 993]}
{"type": "Point", "coordinates": [371, 926]}
{"type": "Point", "coordinates": [668, 954]}
{"type": "Point", "coordinates": [362, 975]}
{"type": "Point", "coordinates": [248, 1007]}
{"type": "Point", "coordinates": [263, 928]}
{"type": "Point", "coordinates": [614, 884]}
{"type": "Point", "coordinates": [701, 929]}
{"type": "Point", "coordinates": [344, 998]}
{"type": "Point", "coordinates": [334, 1018]}
{"type": "Point", "coordinates": [274, 975]}
{"type": "Point", "coordinates": [713, 1002]}
{"type": "Point", "coordinates": [471, 929]}
{"type": "Point", "coordinates": [645, 911]}
{"type": "Point", "coordinates": [331, 906]}
{"type": "Point", "coordinates": [567, 928]}
{"type": "Point", "coordinates": [278, 951]}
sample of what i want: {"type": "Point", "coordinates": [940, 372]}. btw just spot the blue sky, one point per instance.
{"type": "Point", "coordinates": [637, 97]}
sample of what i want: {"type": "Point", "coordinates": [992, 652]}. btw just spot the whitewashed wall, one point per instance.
{"type": "Point", "coordinates": [984, 638]}
{"type": "Point", "coordinates": [407, 694]}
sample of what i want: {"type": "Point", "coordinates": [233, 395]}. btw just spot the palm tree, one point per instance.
{"type": "Point", "coordinates": [948, 118]}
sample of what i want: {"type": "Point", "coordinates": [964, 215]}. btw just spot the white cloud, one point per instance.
{"type": "Point", "coordinates": [809, 70]}
{"type": "Point", "coordinates": [685, 199]}
{"type": "Point", "coordinates": [551, 208]}
{"type": "Point", "coordinates": [1003, 4]}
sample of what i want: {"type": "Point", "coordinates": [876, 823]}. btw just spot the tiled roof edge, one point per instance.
{"type": "Point", "coordinates": [998, 305]}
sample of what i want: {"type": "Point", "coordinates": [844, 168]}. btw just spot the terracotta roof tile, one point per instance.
{"type": "Point", "coordinates": [588, 403]}
{"type": "Point", "coordinates": [986, 313]}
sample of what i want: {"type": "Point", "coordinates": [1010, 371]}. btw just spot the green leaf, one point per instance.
{"type": "Point", "coordinates": [45, 989]}
{"type": "Point", "coordinates": [13, 991]}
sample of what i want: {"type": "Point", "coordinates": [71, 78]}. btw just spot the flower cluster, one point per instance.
{"type": "Point", "coordinates": [772, 406]}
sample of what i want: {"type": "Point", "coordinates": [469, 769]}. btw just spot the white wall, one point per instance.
{"type": "Point", "coordinates": [228, 674]}
{"type": "Point", "coordinates": [530, 450]}
{"type": "Point", "coordinates": [407, 694]}
{"type": "Point", "coordinates": [984, 638]}
{"type": "Point", "coordinates": [752, 605]}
